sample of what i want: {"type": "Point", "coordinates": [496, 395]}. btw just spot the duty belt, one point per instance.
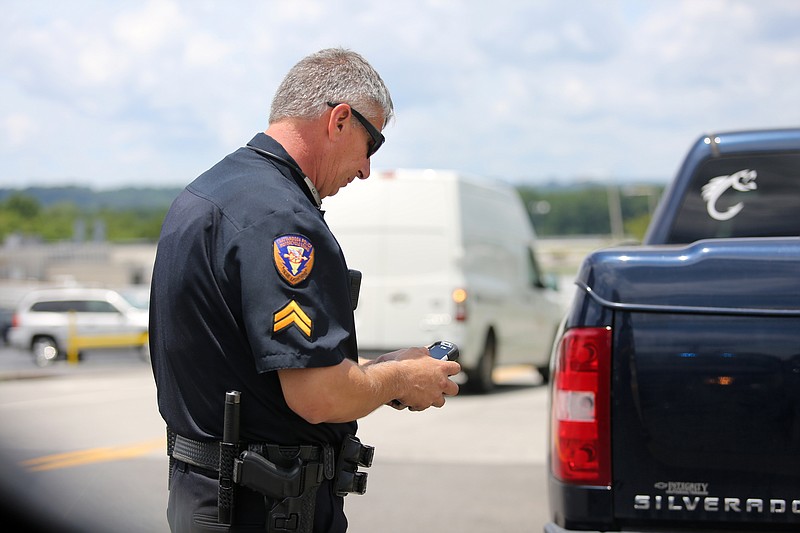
{"type": "Point", "coordinates": [205, 454]}
{"type": "Point", "coordinates": [343, 468]}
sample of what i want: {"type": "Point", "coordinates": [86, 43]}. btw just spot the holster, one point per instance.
{"type": "Point", "coordinates": [288, 477]}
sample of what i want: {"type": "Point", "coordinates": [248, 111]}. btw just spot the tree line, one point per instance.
{"type": "Point", "coordinates": [591, 209]}
{"type": "Point", "coordinates": [555, 211]}
{"type": "Point", "coordinates": [28, 218]}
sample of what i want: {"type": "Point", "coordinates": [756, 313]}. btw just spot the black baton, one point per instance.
{"type": "Point", "coordinates": [229, 448]}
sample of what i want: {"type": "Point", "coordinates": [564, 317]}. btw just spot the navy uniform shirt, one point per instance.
{"type": "Point", "coordinates": [248, 280]}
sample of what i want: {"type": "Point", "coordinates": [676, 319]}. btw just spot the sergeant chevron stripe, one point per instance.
{"type": "Point", "coordinates": [292, 314]}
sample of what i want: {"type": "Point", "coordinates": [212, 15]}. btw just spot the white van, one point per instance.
{"type": "Point", "coordinates": [446, 256]}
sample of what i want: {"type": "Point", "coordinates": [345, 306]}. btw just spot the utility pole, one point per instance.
{"type": "Point", "coordinates": [615, 213]}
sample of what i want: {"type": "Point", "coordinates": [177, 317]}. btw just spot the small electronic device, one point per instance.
{"type": "Point", "coordinates": [444, 350]}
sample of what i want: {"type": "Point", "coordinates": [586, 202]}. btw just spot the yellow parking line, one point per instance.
{"type": "Point", "coordinates": [93, 455]}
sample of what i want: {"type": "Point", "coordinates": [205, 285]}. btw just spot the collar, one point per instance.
{"type": "Point", "coordinates": [268, 147]}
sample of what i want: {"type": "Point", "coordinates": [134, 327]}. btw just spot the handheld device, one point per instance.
{"type": "Point", "coordinates": [444, 350]}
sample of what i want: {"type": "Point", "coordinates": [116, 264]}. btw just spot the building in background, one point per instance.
{"type": "Point", "coordinates": [25, 265]}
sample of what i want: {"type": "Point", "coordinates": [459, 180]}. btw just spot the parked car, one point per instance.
{"type": "Point", "coordinates": [447, 256]}
{"type": "Point", "coordinates": [46, 320]}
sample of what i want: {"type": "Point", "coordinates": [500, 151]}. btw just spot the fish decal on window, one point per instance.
{"type": "Point", "coordinates": [744, 181]}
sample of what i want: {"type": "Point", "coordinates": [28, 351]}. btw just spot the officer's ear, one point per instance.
{"type": "Point", "coordinates": [339, 116]}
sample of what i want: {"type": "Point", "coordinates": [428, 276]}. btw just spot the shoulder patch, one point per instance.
{"type": "Point", "coordinates": [291, 314]}
{"type": "Point", "coordinates": [294, 257]}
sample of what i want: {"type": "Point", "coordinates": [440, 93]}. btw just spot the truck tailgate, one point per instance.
{"type": "Point", "coordinates": [706, 381]}
{"type": "Point", "coordinates": [707, 421]}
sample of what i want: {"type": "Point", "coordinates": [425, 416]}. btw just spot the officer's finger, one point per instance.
{"type": "Point", "coordinates": [453, 368]}
{"type": "Point", "coordinates": [451, 389]}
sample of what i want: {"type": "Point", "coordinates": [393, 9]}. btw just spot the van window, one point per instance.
{"type": "Point", "coordinates": [534, 278]}
{"type": "Point", "coordinates": [742, 196]}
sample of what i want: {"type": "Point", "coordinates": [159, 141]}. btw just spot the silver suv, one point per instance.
{"type": "Point", "coordinates": [50, 322]}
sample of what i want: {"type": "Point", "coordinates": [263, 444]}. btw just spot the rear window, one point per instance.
{"type": "Point", "coordinates": [742, 196]}
{"type": "Point", "coordinates": [79, 306]}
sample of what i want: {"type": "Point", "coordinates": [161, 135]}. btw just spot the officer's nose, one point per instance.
{"type": "Point", "coordinates": [363, 173]}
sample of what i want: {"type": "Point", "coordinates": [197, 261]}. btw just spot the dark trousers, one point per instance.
{"type": "Point", "coordinates": [193, 505]}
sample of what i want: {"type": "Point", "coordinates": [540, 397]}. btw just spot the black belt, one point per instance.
{"type": "Point", "coordinates": [205, 454]}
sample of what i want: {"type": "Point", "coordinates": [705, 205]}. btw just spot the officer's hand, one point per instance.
{"type": "Point", "coordinates": [427, 380]}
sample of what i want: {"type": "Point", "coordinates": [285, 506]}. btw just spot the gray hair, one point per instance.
{"type": "Point", "coordinates": [331, 75]}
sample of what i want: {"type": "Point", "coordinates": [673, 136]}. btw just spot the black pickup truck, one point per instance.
{"type": "Point", "coordinates": [675, 390]}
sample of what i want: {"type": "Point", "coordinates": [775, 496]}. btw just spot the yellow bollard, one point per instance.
{"type": "Point", "coordinates": [72, 341]}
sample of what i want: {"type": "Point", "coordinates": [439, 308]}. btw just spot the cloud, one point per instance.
{"type": "Point", "coordinates": [18, 129]}
{"type": "Point", "coordinates": [147, 30]}
{"type": "Point", "coordinates": [155, 92]}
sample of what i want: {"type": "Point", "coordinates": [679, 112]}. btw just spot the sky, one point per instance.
{"type": "Point", "coordinates": [151, 93]}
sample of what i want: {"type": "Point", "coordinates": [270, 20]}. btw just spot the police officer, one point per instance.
{"type": "Point", "coordinates": [251, 292]}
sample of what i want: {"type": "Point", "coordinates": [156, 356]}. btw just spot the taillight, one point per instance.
{"type": "Point", "coordinates": [460, 302]}
{"type": "Point", "coordinates": [15, 320]}
{"type": "Point", "coordinates": [580, 417]}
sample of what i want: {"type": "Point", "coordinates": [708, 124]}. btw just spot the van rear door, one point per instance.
{"type": "Point", "coordinates": [400, 230]}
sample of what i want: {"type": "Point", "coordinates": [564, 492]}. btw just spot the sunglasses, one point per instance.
{"type": "Point", "coordinates": [377, 137]}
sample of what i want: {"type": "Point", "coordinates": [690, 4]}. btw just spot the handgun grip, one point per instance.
{"type": "Point", "coordinates": [254, 471]}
